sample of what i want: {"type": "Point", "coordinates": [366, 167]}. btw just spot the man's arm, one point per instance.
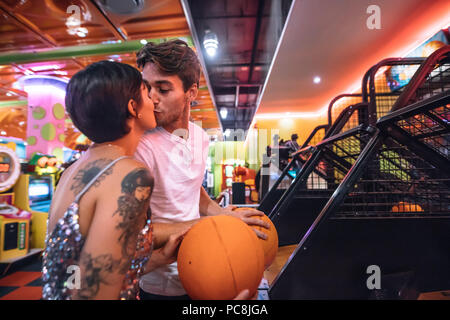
{"type": "Point", "coordinates": [208, 207]}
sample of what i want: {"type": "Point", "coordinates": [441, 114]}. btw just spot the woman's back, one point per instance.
{"type": "Point", "coordinates": [110, 216]}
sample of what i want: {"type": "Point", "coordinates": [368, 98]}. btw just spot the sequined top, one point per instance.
{"type": "Point", "coordinates": [63, 248]}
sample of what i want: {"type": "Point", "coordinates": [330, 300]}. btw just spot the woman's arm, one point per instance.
{"type": "Point", "coordinates": [120, 214]}
{"type": "Point", "coordinates": [166, 254]}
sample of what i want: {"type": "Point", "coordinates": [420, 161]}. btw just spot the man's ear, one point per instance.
{"type": "Point", "coordinates": [132, 108]}
{"type": "Point", "coordinates": [192, 92]}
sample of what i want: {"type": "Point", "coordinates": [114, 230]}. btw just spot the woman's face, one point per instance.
{"type": "Point", "coordinates": [147, 119]}
{"type": "Point", "coordinates": [142, 193]}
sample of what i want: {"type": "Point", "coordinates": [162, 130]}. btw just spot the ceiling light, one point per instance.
{"type": "Point", "coordinates": [123, 7]}
{"type": "Point", "coordinates": [3, 133]}
{"type": "Point", "coordinates": [81, 34]}
{"type": "Point", "coordinates": [143, 41]}
{"type": "Point", "coordinates": [210, 43]}
{"type": "Point", "coordinates": [9, 94]}
{"type": "Point", "coordinates": [224, 113]}
{"type": "Point", "coordinates": [45, 67]}
{"type": "Point", "coordinates": [317, 80]}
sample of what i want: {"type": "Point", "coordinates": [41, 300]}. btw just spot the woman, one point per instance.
{"type": "Point", "coordinates": [98, 218]}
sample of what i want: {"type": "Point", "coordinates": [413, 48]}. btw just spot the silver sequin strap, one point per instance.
{"type": "Point", "coordinates": [77, 198]}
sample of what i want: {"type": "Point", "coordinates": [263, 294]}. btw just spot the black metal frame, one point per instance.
{"type": "Point", "coordinates": [367, 114]}
{"type": "Point", "coordinates": [331, 260]}
{"type": "Point", "coordinates": [343, 236]}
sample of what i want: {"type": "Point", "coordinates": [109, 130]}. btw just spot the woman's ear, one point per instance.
{"type": "Point", "coordinates": [132, 108]}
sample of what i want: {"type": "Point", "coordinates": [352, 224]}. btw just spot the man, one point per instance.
{"type": "Point", "coordinates": [292, 144]}
{"type": "Point", "coordinates": [176, 153]}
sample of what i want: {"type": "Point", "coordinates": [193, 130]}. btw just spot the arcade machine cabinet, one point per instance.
{"type": "Point", "coordinates": [34, 194]}
{"type": "Point", "coordinates": [14, 222]}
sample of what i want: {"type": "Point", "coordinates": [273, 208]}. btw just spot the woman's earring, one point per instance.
{"type": "Point", "coordinates": [139, 115]}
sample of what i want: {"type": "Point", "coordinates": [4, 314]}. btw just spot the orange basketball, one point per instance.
{"type": "Point", "coordinates": [219, 257]}
{"type": "Point", "coordinates": [270, 245]}
{"type": "Point", "coordinates": [406, 207]}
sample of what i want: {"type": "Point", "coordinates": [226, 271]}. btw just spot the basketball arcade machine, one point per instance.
{"type": "Point", "coordinates": [273, 193]}
{"type": "Point", "coordinates": [388, 202]}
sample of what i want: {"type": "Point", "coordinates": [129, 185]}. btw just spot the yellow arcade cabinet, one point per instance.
{"type": "Point", "coordinates": [14, 223]}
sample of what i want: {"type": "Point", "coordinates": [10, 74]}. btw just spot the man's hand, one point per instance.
{"type": "Point", "coordinates": [245, 214]}
{"type": "Point", "coordinates": [245, 295]}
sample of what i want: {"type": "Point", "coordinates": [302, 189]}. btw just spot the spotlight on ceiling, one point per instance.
{"type": "Point", "coordinates": [210, 43]}
{"type": "Point", "coordinates": [123, 7]}
{"type": "Point", "coordinates": [317, 80]}
{"type": "Point", "coordinates": [224, 113]}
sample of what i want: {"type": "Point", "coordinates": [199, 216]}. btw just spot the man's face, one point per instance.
{"type": "Point", "coordinates": [167, 94]}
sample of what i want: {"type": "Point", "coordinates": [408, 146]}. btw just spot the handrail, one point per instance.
{"type": "Point", "coordinates": [420, 76]}
{"type": "Point", "coordinates": [345, 114]}
{"type": "Point", "coordinates": [312, 134]}
{"type": "Point", "coordinates": [338, 97]}
{"type": "Point", "coordinates": [369, 79]}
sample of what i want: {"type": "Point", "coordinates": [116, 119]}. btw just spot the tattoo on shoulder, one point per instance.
{"type": "Point", "coordinates": [88, 172]}
{"type": "Point", "coordinates": [96, 271]}
{"type": "Point", "coordinates": [132, 206]}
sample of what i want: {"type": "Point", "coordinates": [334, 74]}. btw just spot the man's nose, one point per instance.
{"type": "Point", "coordinates": [154, 96]}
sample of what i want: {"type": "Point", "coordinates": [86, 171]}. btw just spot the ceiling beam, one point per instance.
{"type": "Point", "coordinates": [256, 38]}
{"type": "Point", "coordinates": [23, 23]}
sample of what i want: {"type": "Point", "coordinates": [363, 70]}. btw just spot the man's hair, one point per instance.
{"type": "Point", "coordinates": [294, 136]}
{"type": "Point", "coordinates": [97, 99]}
{"type": "Point", "coordinates": [172, 57]}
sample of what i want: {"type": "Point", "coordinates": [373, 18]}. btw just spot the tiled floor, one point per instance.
{"type": "Point", "coordinates": [23, 282]}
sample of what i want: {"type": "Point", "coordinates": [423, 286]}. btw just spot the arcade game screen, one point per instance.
{"type": "Point", "coordinates": [40, 193]}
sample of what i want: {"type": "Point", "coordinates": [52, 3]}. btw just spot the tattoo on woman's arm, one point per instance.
{"type": "Point", "coordinates": [87, 173]}
{"type": "Point", "coordinates": [96, 271]}
{"type": "Point", "coordinates": [132, 207]}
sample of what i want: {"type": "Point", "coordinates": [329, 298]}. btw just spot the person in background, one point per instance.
{"type": "Point", "coordinates": [292, 144]}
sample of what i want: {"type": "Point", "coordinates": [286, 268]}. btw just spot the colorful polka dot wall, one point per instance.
{"type": "Point", "coordinates": [46, 117]}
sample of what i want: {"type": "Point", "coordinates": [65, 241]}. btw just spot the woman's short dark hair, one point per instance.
{"type": "Point", "coordinates": [172, 57]}
{"type": "Point", "coordinates": [97, 99]}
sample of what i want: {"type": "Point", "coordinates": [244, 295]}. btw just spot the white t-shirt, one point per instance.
{"type": "Point", "coordinates": [178, 167]}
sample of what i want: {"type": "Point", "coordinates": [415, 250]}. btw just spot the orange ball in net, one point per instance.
{"type": "Point", "coordinates": [406, 207]}
{"type": "Point", "coordinates": [270, 245]}
{"type": "Point", "coordinates": [219, 257]}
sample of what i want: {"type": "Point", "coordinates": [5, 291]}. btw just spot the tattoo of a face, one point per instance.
{"type": "Point", "coordinates": [96, 270]}
{"type": "Point", "coordinates": [85, 175]}
{"type": "Point", "coordinates": [132, 204]}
